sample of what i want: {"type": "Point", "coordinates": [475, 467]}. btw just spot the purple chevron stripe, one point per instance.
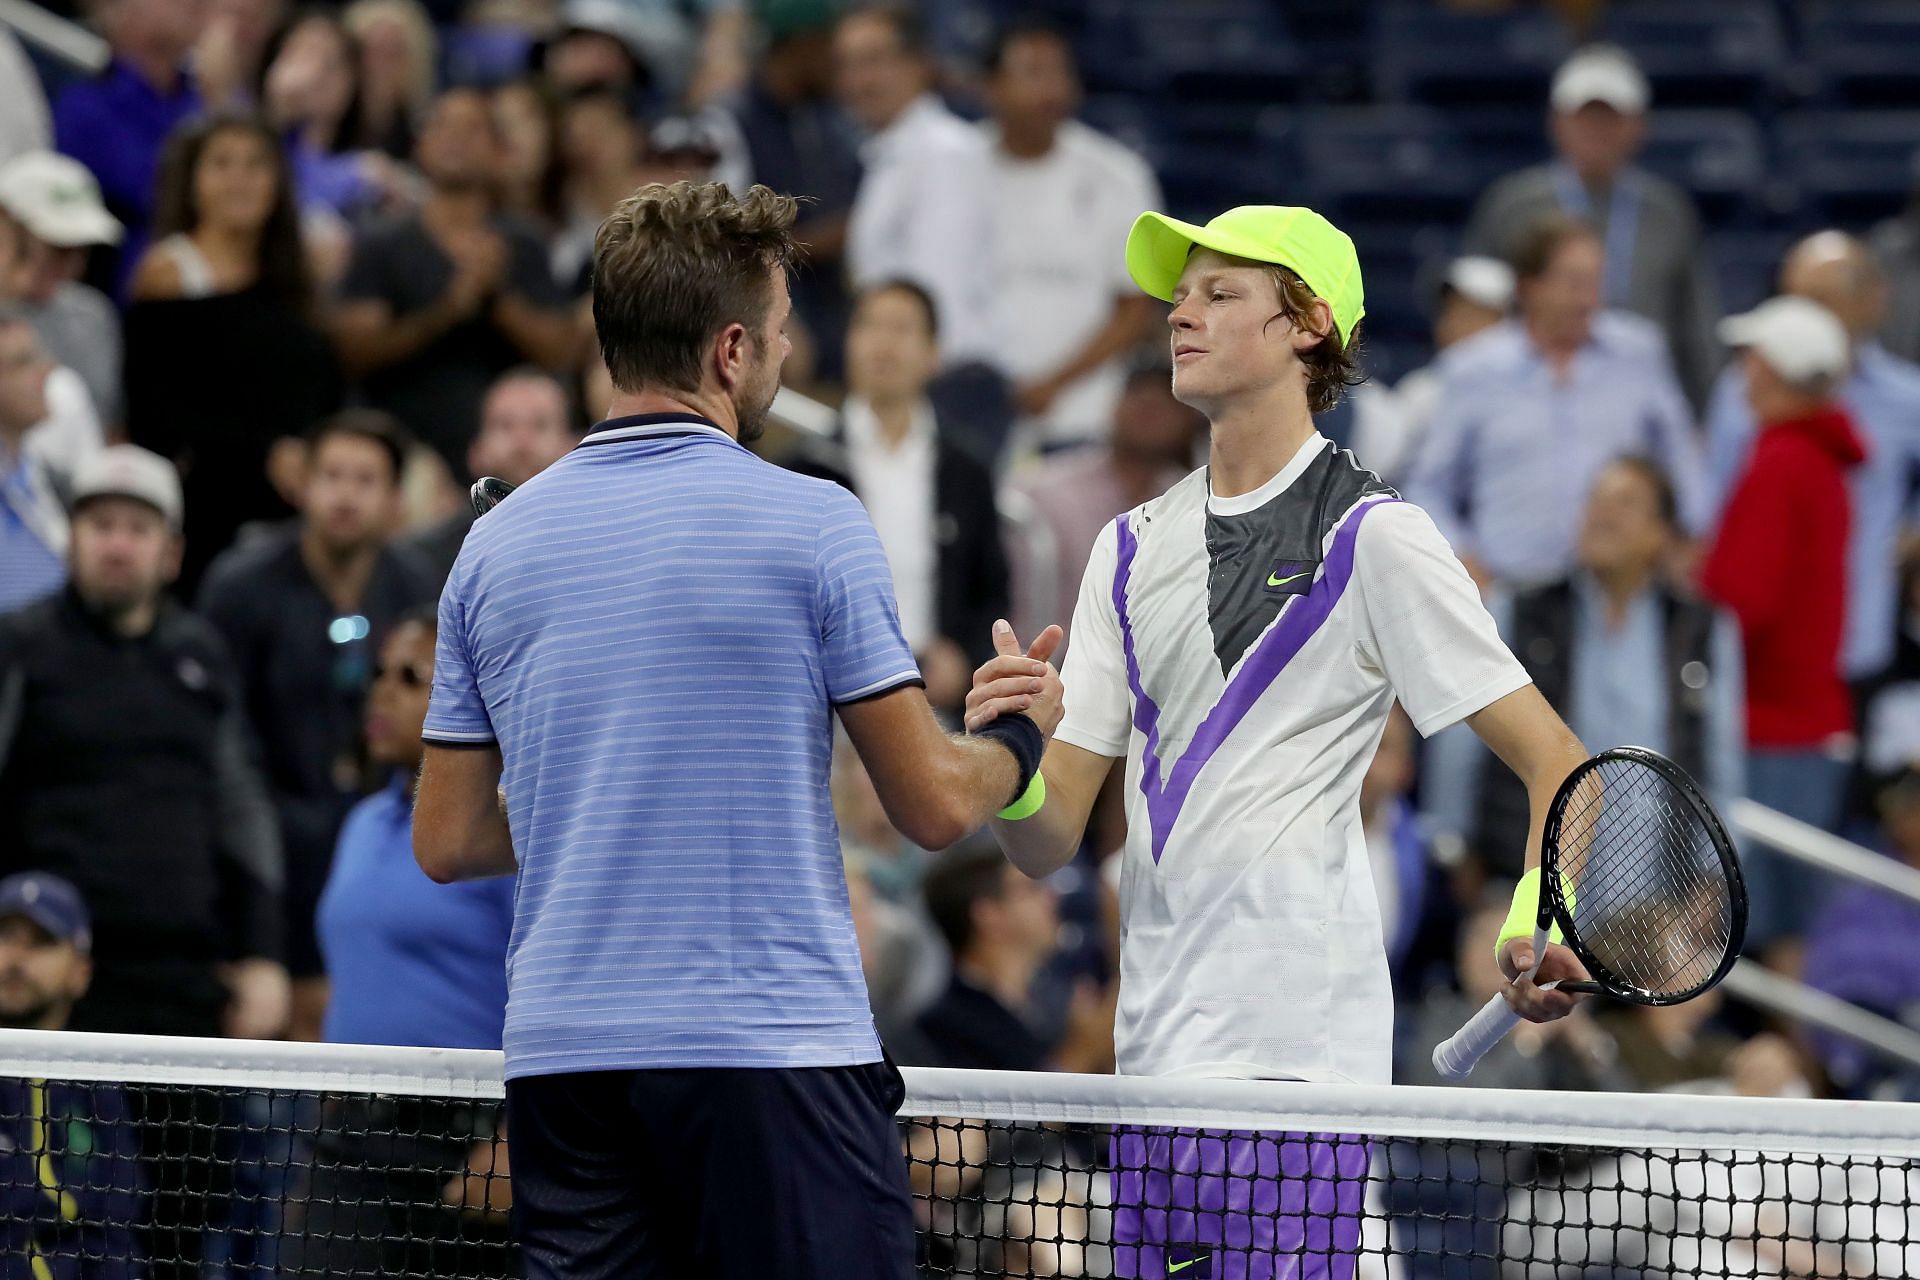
{"type": "Point", "coordinates": [1299, 620]}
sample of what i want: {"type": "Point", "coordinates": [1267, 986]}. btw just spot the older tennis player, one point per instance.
{"type": "Point", "coordinates": [648, 643]}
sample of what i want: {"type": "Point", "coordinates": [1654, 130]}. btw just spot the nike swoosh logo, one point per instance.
{"type": "Point", "coordinates": [1175, 1268]}
{"type": "Point", "coordinates": [1281, 582]}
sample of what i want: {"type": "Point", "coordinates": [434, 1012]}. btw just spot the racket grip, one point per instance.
{"type": "Point", "coordinates": [1455, 1057]}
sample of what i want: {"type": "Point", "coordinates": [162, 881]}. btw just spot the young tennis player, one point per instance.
{"type": "Point", "coordinates": [1239, 641]}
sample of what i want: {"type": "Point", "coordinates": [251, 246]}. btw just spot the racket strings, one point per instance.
{"type": "Point", "coordinates": [1649, 896]}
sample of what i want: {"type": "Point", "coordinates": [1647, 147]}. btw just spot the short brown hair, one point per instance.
{"type": "Point", "coordinates": [1543, 240]}
{"type": "Point", "coordinates": [673, 266]}
{"type": "Point", "coordinates": [1334, 365]}
{"type": "Point", "coordinates": [375, 426]}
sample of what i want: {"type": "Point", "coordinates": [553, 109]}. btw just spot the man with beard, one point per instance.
{"type": "Point", "coordinates": [126, 767]}
{"type": "Point", "coordinates": [304, 610]}
{"type": "Point", "coordinates": [70, 1191]}
{"type": "Point", "coordinates": [647, 642]}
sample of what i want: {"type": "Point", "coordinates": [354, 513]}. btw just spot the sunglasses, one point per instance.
{"type": "Point", "coordinates": [409, 677]}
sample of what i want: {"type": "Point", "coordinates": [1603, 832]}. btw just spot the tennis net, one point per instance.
{"type": "Point", "coordinates": [128, 1156]}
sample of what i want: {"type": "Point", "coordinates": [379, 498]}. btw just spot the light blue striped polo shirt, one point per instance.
{"type": "Point", "coordinates": [656, 630]}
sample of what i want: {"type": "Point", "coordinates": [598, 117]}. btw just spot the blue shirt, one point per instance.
{"type": "Point", "coordinates": [1618, 696]}
{"type": "Point", "coordinates": [1513, 448]}
{"type": "Point", "coordinates": [655, 630]}
{"type": "Point", "coordinates": [117, 125]}
{"type": "Point", "coordinates": [32, 566]}
{"type": "Point", "coordinates": [411, 962]}
{"type": "Point", "coordinates": [1883, 395]}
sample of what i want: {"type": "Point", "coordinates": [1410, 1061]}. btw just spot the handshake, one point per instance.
{"type": "Point", "coordinates": [1017, 681]}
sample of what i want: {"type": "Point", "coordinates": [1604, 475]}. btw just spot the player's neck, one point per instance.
{"type": "Point", "coordinates": [1254, 439]}
{"type": "Point", "coordinates": [714, 407]}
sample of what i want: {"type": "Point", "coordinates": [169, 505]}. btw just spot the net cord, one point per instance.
{"type": "Point", "coordinates": [1835, 1129]}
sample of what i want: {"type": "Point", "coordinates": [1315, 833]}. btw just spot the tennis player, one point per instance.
{"type": "Point", "coordinates": [648, 642]}
{"type": "Point", "coordinates": [1239, 642]}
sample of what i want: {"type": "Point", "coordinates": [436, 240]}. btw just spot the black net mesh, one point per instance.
{"type": "Point", "coordinates": [106, 1180]}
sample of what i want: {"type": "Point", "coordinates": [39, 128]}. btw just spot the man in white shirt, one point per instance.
{"type": "Point", "coordinates": [1239, 641]}
{"type": "Point", "coordinates": [1063, 197]}
{"type": "Point", "coordinates": [922, 211]}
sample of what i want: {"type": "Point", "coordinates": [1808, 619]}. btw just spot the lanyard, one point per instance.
{"type": "Point", "coordinates": [1623, 224]}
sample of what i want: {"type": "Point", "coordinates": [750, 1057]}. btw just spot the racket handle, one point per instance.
{"type": "Point", "coordinates": [1455, 1057]}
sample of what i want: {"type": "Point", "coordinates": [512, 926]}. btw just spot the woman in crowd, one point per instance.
{"type": "Point", "coordinates": [404, 1187]}
{"type": "Point", "coordinates": [398, 53]}
{"type": "Point", "coordinates": [221, 327]}
{"type": "Point", "coordinates": [531, 177]}
{"type": "Point", "coordinates": [311, 93]}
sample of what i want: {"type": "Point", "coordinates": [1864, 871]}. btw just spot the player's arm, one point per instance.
{"type": "Point", "coordinates": [938, 787]}
{"type": "Point", "coordinates": [459, 825]}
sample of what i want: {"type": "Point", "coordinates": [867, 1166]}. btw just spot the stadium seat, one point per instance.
{"type": "Point", "coordinates": [1746, 265]}
{"type": "Point", "coordinates": [1424, 53]}
{"type": "Point", "coordinates": [1720, 53]}
{"type": "Point", "coordinates": [1862, 52]}
{"type": "Point", "coordinates": [1853, 167]}
{"type": "Point", "coordinates": [1719, 156]}
{"type": "Point", "coordinates": [1404, 163]}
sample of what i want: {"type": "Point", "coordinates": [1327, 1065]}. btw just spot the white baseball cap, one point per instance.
{"type": "Point", "coordinates": [1601, 73]}
{"type": "Point", "coordinates": [1487, 282]}
{"type": "Point", "coordinates": [128, 471]}
{"type": "Point", "coordinates": [56, 199]}
{"type": "Point", "coordinates": [1801, 339]}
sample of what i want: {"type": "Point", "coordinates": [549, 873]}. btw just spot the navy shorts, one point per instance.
{"type": "Point", "coordinates": [792, 1173]}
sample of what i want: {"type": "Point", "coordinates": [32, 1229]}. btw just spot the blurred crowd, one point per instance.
{"type": "Point", "coordinates": [278, 282]}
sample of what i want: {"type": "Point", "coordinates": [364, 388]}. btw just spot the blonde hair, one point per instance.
{"type": "Point", "coordinates": [361, 16]}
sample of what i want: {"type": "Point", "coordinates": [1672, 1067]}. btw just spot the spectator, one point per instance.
{"type": "Point", "coordinates": [1532, 409]}
{"type": "Point", "coordinates": [231, 53]}
{"type": "Point", "coordinates": [71, 429]}
{"type": "Point", "coordinates": [905, 964]}
{"type": "Point", "coordinates": [222, 323]}
{"type": "Point", "coordinates": [301, 608]}
{"type": "Point", "coordinates": [55, 207]}
{"type": "Point", "coordinates": [410, 963]}
{"type": "Point", "coordinates": [931, 502]}
{"type": "Point", "coordinates": [1064, 198]}
{"type": "Point", "coordinates": [24, 123]}
{"type": "Point", "coordinates": [117, 124]}
{"type": "Point", "coordinates": [1861, 949]}
{"type": "Point", "coordinates": [923, 211]}
{"type": "Point", "coordinates": [1656, 265]}
{"type": "Point", "coordinates": [70, 1179]}
{"type": "Point", "coordinates": [1078, 492]}
{"type": "Point", "coordinates": [437, 305]}
{"type": "Point", "coordinates": [1395, 848]}
{"type": "Point", "coordinates": [1619, 652]}
{"type": "Point", "coordinates": [526, 425]}
{"type": "Point", "coordinates": [1896, 246]}
{"type": "Point", "coordinates": [310, 92]}
{"type": "Point", "coordinates": [126, 767]}
{"type": "Point", "coordinates": [601, 148]}
{"type": "Point", "coordinates": [657, 51]}
{"type": "Point", "coordinates": [531, 176]}
{"type": "Point", "coordinates": [1001, 927]}
{"type": "Point", "coordinates": [33, 523]}
{"type": "Point", "coordinates": [1476, 294]}
{"type": "Point", "coordinates": [398, 54]}
{"type": "Point", "coordinates": [1778, 562]}
{"type": "Point", "coordinates": [1882, 395]}
{"type": "Point", "coordinates": [1682, 1048]}
{"type": "Point", "coordinates": [797, 139]}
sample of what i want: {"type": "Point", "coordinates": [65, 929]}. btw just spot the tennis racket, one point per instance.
{"type": "Point", "coordinates": [1638, 873]}
{"type": "Point", "coordinates": [486, 494]}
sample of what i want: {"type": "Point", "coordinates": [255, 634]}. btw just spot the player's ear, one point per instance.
{"type": "Point", "coordinates": [732, 355]}
{"type": "Point", "coordinates": [1313, 327]}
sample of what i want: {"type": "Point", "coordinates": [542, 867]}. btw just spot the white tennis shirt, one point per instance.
{"type": "Point", "coordinates": [1242, 654]}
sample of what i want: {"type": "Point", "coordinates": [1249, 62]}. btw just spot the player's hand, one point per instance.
{"type": "Point", "coordinates": [1017, 682]}
{"type": "Point", "coordinates": [260, 1003]}
{"type": "Point", "coordinates": [1525, 996]}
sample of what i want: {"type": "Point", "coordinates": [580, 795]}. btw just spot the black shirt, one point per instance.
{"type": "Point", "coordinates": [969, 1027]}
{"type": "Point", "coordinates": [126, 767]}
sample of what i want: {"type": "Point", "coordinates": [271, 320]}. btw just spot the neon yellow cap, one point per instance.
{"type": "Point", "coordinates": [1300, 239]}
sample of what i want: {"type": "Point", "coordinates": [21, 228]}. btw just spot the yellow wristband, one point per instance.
{"type": "Point", "coordinates": [1523, 915]}
{"type": "Point", "coordinates": [1029, 802]}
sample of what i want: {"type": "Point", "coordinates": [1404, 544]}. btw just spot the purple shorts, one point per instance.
{"type": "Point", "coordinates": [1209, 1204]}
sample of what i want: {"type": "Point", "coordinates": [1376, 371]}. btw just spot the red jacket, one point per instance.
{"type": "Point", "coordinates": [1779, 562]}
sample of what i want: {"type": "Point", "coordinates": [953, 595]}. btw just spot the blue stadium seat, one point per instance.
{"type": "Point", "coordinates": [1746, 265]}
{"type": "Point", "coordinates": [1424, 53]}
{"type": "Point", "coordinates": [1703, 52]}
{"type": "Point", "coordinates": [1720, 156]}
{"type": "Point", "coordinates": [1852, 167]}
{"type": "Point", "coordinates": [1404, 163]}
{"type": "Point", "coordinates": [1399, 263]}
{"type": "Point", "coordinates": [1865, 52]}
